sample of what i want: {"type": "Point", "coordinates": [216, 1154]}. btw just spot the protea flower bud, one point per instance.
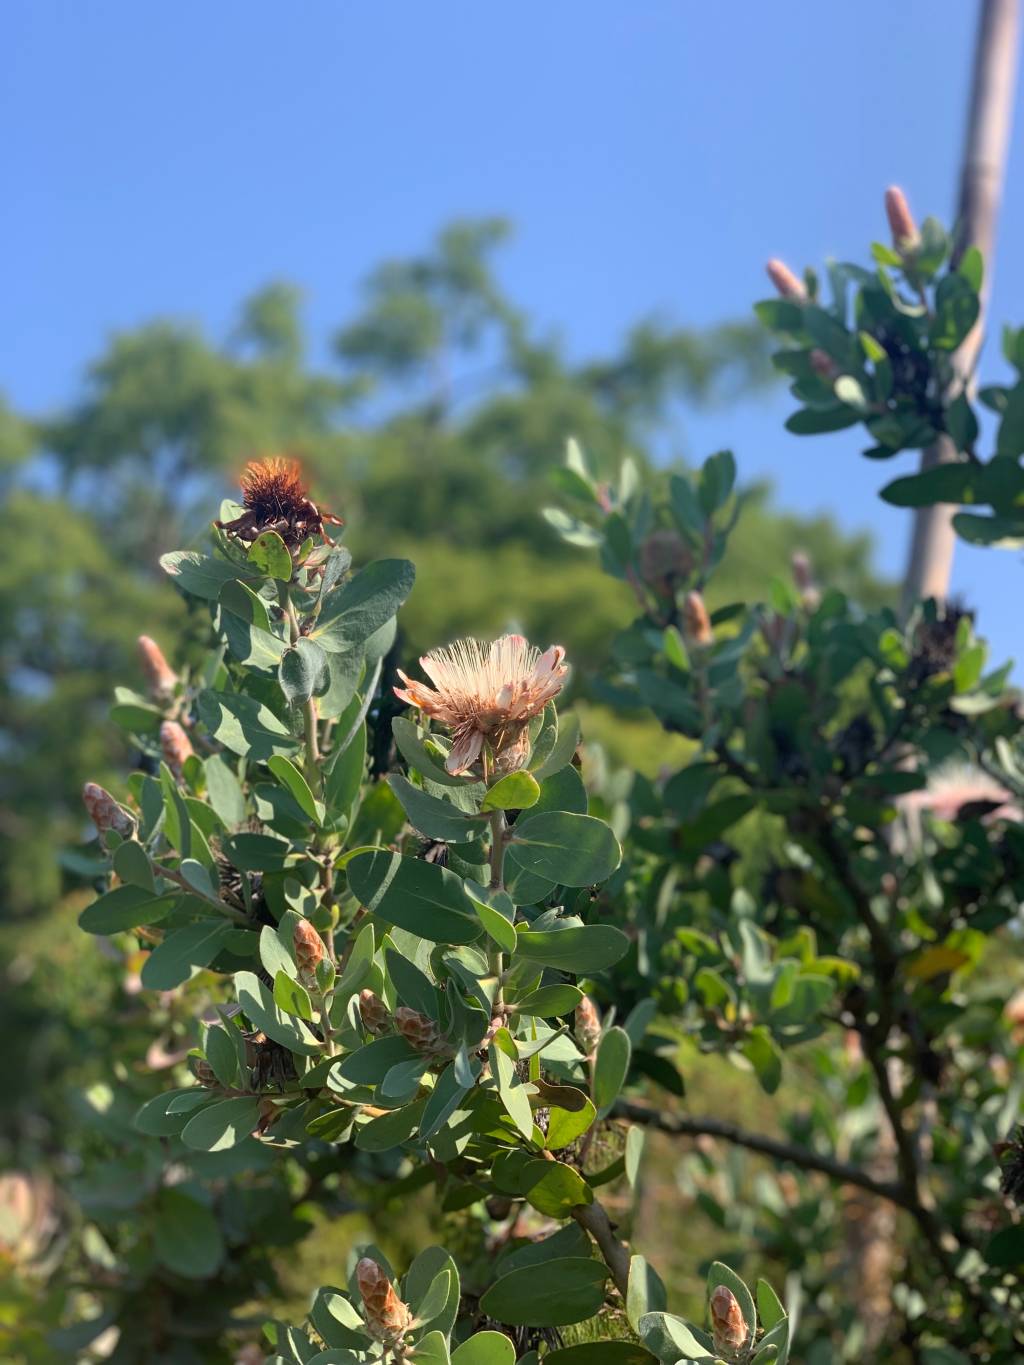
{"type": "Point", "coordinates": [375, 1014]}
{"type": "Point", "coordinates": [387, 1317]}
{"type": "Point", "coordinates": [728, 1327]}
{"type": "Point", "coordinates": [901, 220]}
{"type": "Point", "coordinates": [106, 813]}
{"type": "Point", "coordinates": [161, 678]}
{"type": "Point", "coordinates": [785, 281]}
{"type": "Point", "coordinates": [176, 747]}
{"type": "Point", "coordinates": [588, 1026]}
{"type": "Point", "coordinates": [203, 1072]}
{"type": "Point", "coordinates": [664, 556]}
{"type": "Point", "coordinates": [309, 951]}
{"type": "Point", "coordinates": [696, 621]}
{"type": "Point", "coordinates": [420, 1031]}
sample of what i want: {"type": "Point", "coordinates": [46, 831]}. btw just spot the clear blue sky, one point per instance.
{"type": "Point", "coordinates": [167, 159]}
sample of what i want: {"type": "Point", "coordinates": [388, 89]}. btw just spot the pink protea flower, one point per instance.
{"type": "Point", "coordinates": [486, 694]}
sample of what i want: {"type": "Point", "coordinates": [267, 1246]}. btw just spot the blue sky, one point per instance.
{"type": "Point", "coordinates": [167, 159]}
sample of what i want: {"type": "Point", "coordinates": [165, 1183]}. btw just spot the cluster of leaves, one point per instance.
{"type": "Point", "coordinates": [883, 353]}
{"type": "Point", "coordinates": [391, 961]}
{"type": "Point", "coordinates": [799, 872]}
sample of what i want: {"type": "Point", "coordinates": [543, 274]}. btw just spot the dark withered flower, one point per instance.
{"type": "Point", "coordinates": [276, 498]}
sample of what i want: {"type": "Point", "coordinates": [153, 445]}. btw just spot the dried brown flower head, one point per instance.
{"type": "Point", "coordinates": [105, 812]}
{"type": "Point", "coordinates": [785, 282]}
{"type": "Point", "coordinates": [176, 747]}
{"type": "Point", "coordinates": [486, 694]}
{"type": "Point", "coordinates": [727, 1323]}
{"type": "Point", "coordinates": [374, 1012]}
{"type": "Point", "coordinates": [161, 678]}
{"type": "Point", "coordinates": [387, 1317]}
{"type": "Point", "coordinates": [275, 498]}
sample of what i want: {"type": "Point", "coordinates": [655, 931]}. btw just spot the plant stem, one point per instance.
{"type": "Point", "coordinates": [593, 1218]}
{"type": "Point", "coordinates": [173, 875]}
{"type": "Point", "coordinates": [499, 838]}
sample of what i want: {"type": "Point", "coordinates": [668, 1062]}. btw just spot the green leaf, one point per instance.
{"type": "Point", "coordinates": [511, 1091]}
{"type": "Point", "coordinates": [761, 1051]}
{"type": "Point", "coordinates": [548, 1001]}
{"type": "Point", "coordinates": [943, 483]}
{"type": "Point", "coordinates": [194, 945]}
{"type": "Point", "coordinates": [222, 1125]}
{"type": "Point", "coordinates": [353, 612]}
{"type": "Point", "coordinates": [245, 625]}
{"type": "Point", "coordinates": [956, 311]}
{"type": "Point", "coordinates": [264, 1013]}
{"type": "Point", "coordinates": [222, 1055]}
{"type": "Point", "coordinates": [269, 554]}
{"type": "Point", "coordinates": [554, 1188]}
{"type": "Point", "coordinates": [601, 1353]}
{"type": "Point", "coordinates": [580, 949]}
{"type": "Point", "coordinates": [1004, 532]}
{"type": "Point", "coordinates": [224, 790]}
{"type": "Point", "coordinates": [132, 865]}
{"type": "Point", "coordinates": [162, 1117]}
{"type": "Point", "coordinates": [389, 1131]}
{"type": "Point", "coordinates": [126, 907]}
{"type": "Point", "coordinates": [304, 672]}
{"type": "Point", "coordinates": [290, 778]}
{"type": "Point", "coordinates": [575, 850]}
{"type": "Point", "coordinates": [610, 1068]}
{"type": "Point", "coordinates": [553, 1294]}
{"type": "Point", "coordinates": [816, 421]}
{"type": "Point", "coordinates": [446, 1096]}
{"type": "Point", "coordinates": [485, 1348]}
{"type": "Point", "coordinates": [671, 1339]}
{"type": "Point", "coordinates": [345, 775]}
{"type": "Point", "coordinates": [244, 725]}
{"type": "Point", "coordinates": [199, 575]}
{"type": "Point", "coordinates": [186, 1237]}
{"type": "Point", "coordinates": [566, 1125]}
{"type": "Point", "coordinates": [292, 997]}
{"type": "Point", "coordinates": [418, 896]}
{"type": "Point", "coordinates": [498, 925]}
{"type": "Point", "coordinates": [769, 1306]}
{"type": "Point", "coordinates": [564, 749]}
{"type": "Point", "coordinates": [514, 791]}
{"type": "Point", "coordinates": [414, 987]}
{"type": "Point", "coordinates": [431, 815]}
{"type": "Point", "coordinates": [370, 1064]}
{"type": "Point", "coordinates": [645, 1292]}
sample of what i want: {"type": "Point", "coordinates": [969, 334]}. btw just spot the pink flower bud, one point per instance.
{"type": "Point", "coordinates": [785, 282]}
{"type": "Point", "coordinates": [696, 621]}
{"type": "Point", "coordinates": [160, 676]}
{"type": "Point", "coordinates": [176, 747]}
{"type": "Point", "coordinates": [901, 220]}
{"type": "Point", "coordinates": [727, 1325]}
{"type": "Point", "coordinates": [309, 950]}
{"type": "Point", "coordinates": [106, 813]}
{"type": "Point", "coordinates": [387, 1317]}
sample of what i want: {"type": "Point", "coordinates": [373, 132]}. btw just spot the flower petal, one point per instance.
{"type": "Point", "coordinates": [465, 750]}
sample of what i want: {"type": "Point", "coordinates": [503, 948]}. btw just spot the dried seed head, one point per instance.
{"type": "Point", "coordinates": [785, 281]}
{"type": "Point", "coordinates": [487, 694]}
{"type": "Point", "coordinates": [727, 1324]}
{"type": "Point", "coordinates": [387, 1317]}
{"type": "Point", "coordinates": [309, 950]}
{"type": "Point", "coordinates": [696, 621]}
{"type": "Point", "coordinates": [275, 498]}
{"type": "Point", "coordinates": [106, 813]}
{"type": "Point", "coordinates": [901, 220]}
{"type": "Point", "coordinates": [588, 1026]}
{"type": "Point", "coordinates": [176, 747]}
{"type": "Point", "coordinates": [375, 1014]}
{"type": "Point", "coordinates": [161, 678]}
